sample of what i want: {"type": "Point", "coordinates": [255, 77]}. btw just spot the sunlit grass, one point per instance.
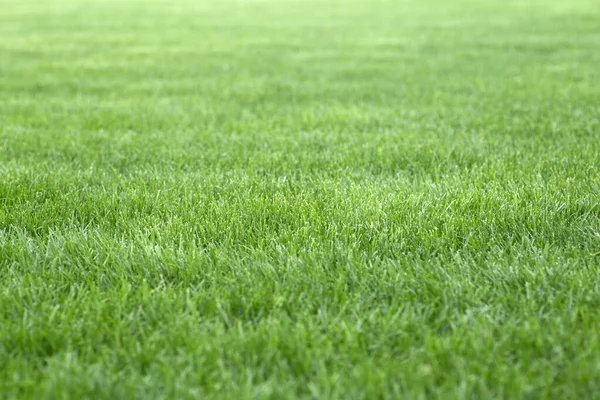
{"type": "Point", "coordinates": [299, 199]}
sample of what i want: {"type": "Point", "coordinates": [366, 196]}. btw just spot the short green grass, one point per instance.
{"type": "Point", "coordinates": [355, 199]}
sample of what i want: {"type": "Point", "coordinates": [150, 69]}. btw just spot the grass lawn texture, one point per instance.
{"type": "Point", "coordinates": [271, 199]}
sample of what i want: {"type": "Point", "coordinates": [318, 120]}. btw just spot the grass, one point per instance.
{"type": "Point", "coordinates": [299, 199]}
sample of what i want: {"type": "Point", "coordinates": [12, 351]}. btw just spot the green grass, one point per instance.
{"type": "Point", "coordinates": [328, 199]}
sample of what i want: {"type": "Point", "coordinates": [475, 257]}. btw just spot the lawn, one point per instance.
{"type": "Point", "coordinates": [362, 199]}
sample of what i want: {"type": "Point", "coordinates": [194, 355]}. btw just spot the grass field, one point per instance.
{"type": "Point", "coordinates": [355, 199]}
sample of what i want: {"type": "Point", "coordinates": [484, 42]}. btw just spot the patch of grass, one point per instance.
{"type": "Point", "coordinates": [299, 199]}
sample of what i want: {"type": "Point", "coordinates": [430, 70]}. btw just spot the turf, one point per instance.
{"type": "Point", "coordinates": [328, 199]}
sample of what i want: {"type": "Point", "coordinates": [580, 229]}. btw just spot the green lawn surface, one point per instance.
{"type": "Point", "coordinates": [277, 199]}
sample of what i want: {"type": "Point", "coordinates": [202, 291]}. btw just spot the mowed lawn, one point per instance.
{"type": "Point", "coordinates": [360, 199]}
